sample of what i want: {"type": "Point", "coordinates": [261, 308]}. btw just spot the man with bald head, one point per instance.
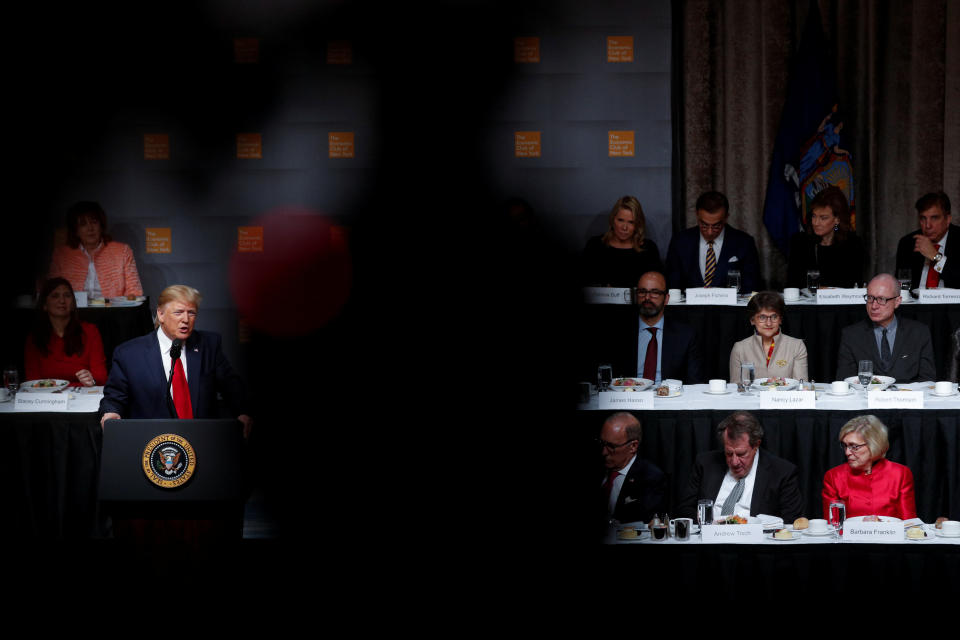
{"type": "Point", "coordinates": [633, 489]}
{"type": "Point", "coordinates": [898, 347]}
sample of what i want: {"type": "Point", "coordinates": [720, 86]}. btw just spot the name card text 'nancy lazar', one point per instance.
{"type": "Point", "coordinates": [41, 402]}
{"type": "Point", "coordinates": [939, 296]}
{"type": "Point", "coordinates": [711, 295]}
{"type": "Point", "coordinates": [895, 400]}
{"type": "Point", "coordinates": [626, 399]}
{"type": "Point", "coordinates": [742, 533]}
{"type": "Point", "coordinates": [840, 296]}
{"type": "Point", "coordinates": [873, 531]}
{"type": "Point", "coordinates": [607, 295]}
{"type": "Point", "coordinates": [773, 399]}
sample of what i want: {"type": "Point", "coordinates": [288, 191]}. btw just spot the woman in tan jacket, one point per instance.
{"type": "Point", "coordinates": [772, 353]}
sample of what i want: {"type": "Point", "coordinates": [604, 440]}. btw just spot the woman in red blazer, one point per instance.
{"type": "Point", "coordinates": [60, 345]}
{"type": "Point", "coordinates": [868, 483]}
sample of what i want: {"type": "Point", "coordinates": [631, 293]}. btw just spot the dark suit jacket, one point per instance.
{"type": "Point", "coordinates": [682, 356]}
{"type": "Point", "coordinates": [911, 357]}
{"type": "Point", "coordinates": [907, 258]}
{"type": "Point", "coordinates": [137, 385]}
{"type": "Point", "coordinates": [776, 490]}
{"type": "Point", "coordinates": [683, 260]}
{"type": "Point", "coordinates": [642, 494]}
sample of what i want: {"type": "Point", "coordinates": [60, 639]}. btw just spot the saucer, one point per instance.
{"type": "Point", "coordinates": [840, 395]}
{"type": "Point", "coordinates": [807, 532]}
{"type": "Point", "coordinates": [718, 393]}
{"type": "Point", "coordinates": [941, 534]}
{"type": "Point", "coordinates": [943, 395]}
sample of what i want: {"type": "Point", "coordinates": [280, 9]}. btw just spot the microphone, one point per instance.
{"type": "Point", "coordinates": [175, 350]}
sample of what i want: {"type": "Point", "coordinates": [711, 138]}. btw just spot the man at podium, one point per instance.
{"type": "Point", "coordinates": [175, 372]}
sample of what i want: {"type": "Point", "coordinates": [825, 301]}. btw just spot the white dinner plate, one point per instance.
{"type": "Point", "coordinates": [849, 392]}
{"type": "Point", "coordinates": [672, 395]}
{"type": "Point", "coordinates": [882, 519]}
{"type": "Point", "coordinates": [57, 386]}
{"type": "Point", "coordinates": [123, 302]}
{"type": "Point", "coordinates": [794, 535]}
{"type": "Point", "coordinates": [791, 384]}
{"type": "Point", "coordinates": [640, 384]}
{"type": "Point", "coordinates": [885, 381]}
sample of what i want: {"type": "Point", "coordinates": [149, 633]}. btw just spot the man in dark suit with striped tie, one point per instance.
{"type": "Point", "coordinates": [702, 256]}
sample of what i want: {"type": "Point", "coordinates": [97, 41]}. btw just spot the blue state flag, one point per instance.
{"type": "Point", "coordinates": [807, 154]}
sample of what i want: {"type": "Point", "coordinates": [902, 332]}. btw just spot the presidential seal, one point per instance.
{"type": "Point", "coordinates": [169, 461]}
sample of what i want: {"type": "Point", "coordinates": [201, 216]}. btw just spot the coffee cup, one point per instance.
{"type": "Point", "coordinates": [681, 528]}
{"type": "Point", "coordinates": [675, 295]}
{"type": "Point", "coordinates": [791, 293]}
{"type": "Point", "coordinates": [817, 525]}
{"type": "Point", "coordinates": [719, 386]}
{"type": "Point", "coordinates": [839, 386]}
{"type": "Point", "coordinates": [943, 388]}
{"type": "Point", "coordinates": [950, 527]}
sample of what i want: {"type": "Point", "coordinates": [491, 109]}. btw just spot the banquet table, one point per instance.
{"type": "Point", "coordinates": [676, 430]}
{"type": "Point", "coordinates": [604, 328]}
{"type": "Point", "coordinates": [49, 479]}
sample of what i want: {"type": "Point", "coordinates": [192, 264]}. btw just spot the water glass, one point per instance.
{"type": "Point", "coordinates": [837, 514]}
{"type": "Point", "coordinates": [813, 280]}
{"type": "Point", "coordinates": [11, 380]}
{"type": "Point", "coordinates": [904, 277]}
{"type": "Point", "coordinates": [747, 376]}
{"type": "Point", "coordinates": [604, 376]}
{"type": "Point", "coordinates": [704, 512]}
{"type": "Point", "coordinates": [865, 373]}
{"type": "Point", "coordinates": [733, 279]}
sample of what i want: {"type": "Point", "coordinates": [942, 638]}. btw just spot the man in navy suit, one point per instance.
{"type": "Point", "coordinates": [140, 385]}
{"type": "Point", "coordinates": [633, 489]}
{"type": "Point", "coordinates": [925, 252]}
{"type": "Point", "coordinates": [702, 256]}
{"type": "Point", "coordinates": [675, 350]}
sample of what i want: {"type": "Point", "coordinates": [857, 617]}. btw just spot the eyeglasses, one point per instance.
{"type": "Point", "coordinates": [613, 447]}
{"type": "Point", "coordinates": [765, 319]}
{"type": "Point", "coordinates": [653, 293]}
{"type": "Point", "coordinates": [852, 447]}
{"type": "Point", "coordinates": [706, 226]}
{"type": "Point", "coordinates": [878, 299]}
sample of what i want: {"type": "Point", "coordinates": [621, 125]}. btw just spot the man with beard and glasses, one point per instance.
{"type": "Point", "coordinates": [664, 348]}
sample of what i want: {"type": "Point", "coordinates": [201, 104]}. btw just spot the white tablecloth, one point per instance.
{"type": "Point", "coordinates": [805, 539]}
{"type": "Point", "coordinates": [693, 397]}
{"type": "Point", "coordinates": [82, 400]}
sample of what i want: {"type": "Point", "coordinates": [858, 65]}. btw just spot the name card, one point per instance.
{"type": "Point", "coordinates": [841, 296]}
{"type": "Point", "coordinates": [939, 296]}
{"type": "Point", "coordinates": [41, 402]}
{"type": "Point", "coordinates": [712, 295]}
{"type": "Point", "coordinates": [895, 399]}
{"type": "Point", "coordinates": [737, 533]}
{"type": "Point", "coordinates": [607, 295]}
{"type": "Point", "coordinates": [626, 399]}
{"type": "Point", "coordinates": [773, 399]}
{"type": "Point", "coordinates": [873, 531]}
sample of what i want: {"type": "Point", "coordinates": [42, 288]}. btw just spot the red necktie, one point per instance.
{"type": "Point", "coordinates": [608, 485]}
{"type": "Point", "coordinates": [933, 278]}
{"type": "Point", "coordinates": [650, 362]}
{"type": "Point", "coordinates": [181, 392]}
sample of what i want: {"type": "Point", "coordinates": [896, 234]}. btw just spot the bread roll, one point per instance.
{"type": "Point", "coordinates": [801, 523]}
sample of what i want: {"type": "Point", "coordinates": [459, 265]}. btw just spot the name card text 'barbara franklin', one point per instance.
{"type": "Point", "coordinates": [711, 295]}
{"type": "Point", "coordinates": [840, 296]}
{"type": "Point", "coordinates": [626, 399]}
{"type": "Point", "coordinates": [873, 531]}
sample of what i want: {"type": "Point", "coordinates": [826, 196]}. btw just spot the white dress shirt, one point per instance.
{"type": "Point", "coordinates": [165, 344]}
{"type": "Point", "coordinates": [742, 508]}
{"type": "Point", "coordinates": [617, 485]}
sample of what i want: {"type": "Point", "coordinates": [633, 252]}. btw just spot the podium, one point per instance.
{"type": "Point", "coordinates": [167, 480]}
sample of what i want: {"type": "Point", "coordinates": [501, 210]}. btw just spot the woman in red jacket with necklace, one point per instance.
{"type": "Point", "coordinates": [60, 345]}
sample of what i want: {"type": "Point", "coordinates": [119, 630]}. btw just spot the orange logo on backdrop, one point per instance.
{"type": "Point", "coordinates": [526, 49]}
{"type": "Point", "coordinates": [156, 146]}
{"type": "Point", "coordinates": [249, 239]}
{"type": "Point", "coordinates": [249, 146]}
{"type": "Point", "coordinates": [246, 50]}
{"type": "Point", "coordinates": [159, 240]}
{"type": "Point", "coordinates": [340, 144]}
{"type": "Point", "coordinates": [619, 48]}
{"type": "Point", "coordinates": [339, 52]}
{"type": "Point", "coordinates": [527, 144]}
{"type": "Point", "coordinates": [620, 143]}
